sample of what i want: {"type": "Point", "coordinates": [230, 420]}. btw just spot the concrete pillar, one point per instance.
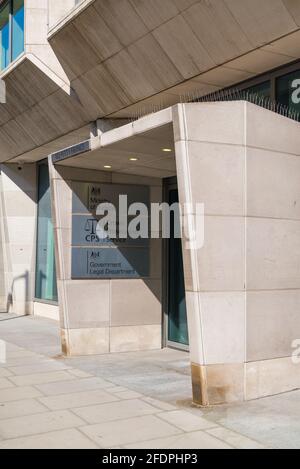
{"type": "Point", "coordinates": [210, 160]}
{"type": "Point", "coordinates": [242, 287]}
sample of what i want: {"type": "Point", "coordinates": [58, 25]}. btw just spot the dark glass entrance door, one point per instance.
{"type": "Point", "coordinates": [177, 318]}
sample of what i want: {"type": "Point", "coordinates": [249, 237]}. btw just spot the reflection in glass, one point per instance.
{"type": "Point", "coordinates": [17, 28]}
{"type": "Point", "coordinates": [263, 90]}
{"type": "Point", "coordinates": [46, 288]}
{"type": "Point", "coordinates": [177, 324]}
{"type": "Point", "coordinates": [4, 36]}
{"type": "Point", "coordinates": [11, 31]}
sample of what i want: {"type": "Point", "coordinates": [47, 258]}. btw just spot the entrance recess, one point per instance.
{"type": "Point", "coordinates": [177, 328]}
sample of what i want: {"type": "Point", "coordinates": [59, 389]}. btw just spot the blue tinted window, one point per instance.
{"type": "Point", "coordinates": [11, 31]}
{"type": "Point", "coordinates": [17, 29]}
{"type": "Point", "coordinates": [4, 36]}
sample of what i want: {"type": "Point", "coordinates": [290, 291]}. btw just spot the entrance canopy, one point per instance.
{"type": "Point", "coordinates": [144, 147]}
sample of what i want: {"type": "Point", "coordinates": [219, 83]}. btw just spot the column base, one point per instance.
{"type": "Point", "coordinates": [221, 384]}
{"type": "Point", "coordinates": [217, 384]}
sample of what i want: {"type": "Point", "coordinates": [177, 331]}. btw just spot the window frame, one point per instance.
{"type": "Point", "coordinates": [3, 5]}
{"type": "Point", "coordinates": [271, 76]}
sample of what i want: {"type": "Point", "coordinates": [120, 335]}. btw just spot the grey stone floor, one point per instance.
{"type": "Point", "coordinates": [129, 400]}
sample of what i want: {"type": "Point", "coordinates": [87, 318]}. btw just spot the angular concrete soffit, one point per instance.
{"type": "Point", "coordinates": [64, 84]}
{"type": "Point", "coordinates": [70, 16]}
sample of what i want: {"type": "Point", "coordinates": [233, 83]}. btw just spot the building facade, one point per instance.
{"type": "Point", "coordinates": [189, 101]}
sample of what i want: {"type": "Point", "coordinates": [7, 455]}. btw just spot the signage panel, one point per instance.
{"type": "Point", "coordinates": [84, 233]}
{"type": "Point", "coordinates": [98, 258]}
{"type": "Point", "coordinates": [87, 196]}
{"type": "Point", "coordinates": [110, 263]}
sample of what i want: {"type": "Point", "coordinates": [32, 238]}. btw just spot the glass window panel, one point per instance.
{"type": "Point", "coordinates": [46, 288]}
{"type": "Point", "coordinates": [177, 315]}
{"type": "Point", "coordinates": [17, 29]}
{"type": "Point", "coordinates": [4, 37]}
{"type": "Point", "coordinates": [262, 89]}
{"type": "Point", "coordinates": [288, 90]}
{"type": "Point", "coordinates": [12, 22]}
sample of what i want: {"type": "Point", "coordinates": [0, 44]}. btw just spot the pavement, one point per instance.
{"type": "Point", "coordinates": [129, 400]}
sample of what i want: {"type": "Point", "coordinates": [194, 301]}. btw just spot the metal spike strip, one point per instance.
{"type": "Point", "coordinates": [232, 94]}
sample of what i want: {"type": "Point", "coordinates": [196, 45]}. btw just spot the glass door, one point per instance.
{"type": "Point", "coordinates": [177, 328]}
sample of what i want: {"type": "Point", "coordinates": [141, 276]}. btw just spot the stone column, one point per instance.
{"type": "Point", "coordinates": [210, 158]}
{"type": "Point", "coordinates": [243, 286]}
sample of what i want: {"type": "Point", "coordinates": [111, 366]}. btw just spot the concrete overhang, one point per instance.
{"type": "Point", "coordinates": [39, 105]}
{"type": "Point", "coordinates": [147, 146]}
{"type": "Point", "coordinates": [41, 152]}
{"type": "Point", "coordinates": [137, 148]}
{"type": "Point", "coordinates": [36, 112]}
{"type": "Point", "coordinates": [116, 66]}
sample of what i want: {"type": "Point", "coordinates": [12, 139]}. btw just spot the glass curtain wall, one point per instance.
{"type": "Point", "coordinates": [4, 35]}
{"type": "Point", "coordinates": [263, 90]}
{"type": "Point", "coordinates": [12, 21]}
{"type": "Point", "coordinates": [281, 86]}
{"type": "Point", "coordinates": [45, 285]}
{"type": "Point", "coordinates": [17, 28]}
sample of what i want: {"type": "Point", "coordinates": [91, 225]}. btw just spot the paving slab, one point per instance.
{"type": "Point", "coordinates": [5, 383]}
{"type": "Point", "coordinates": [79, 373]}
{"type": "Point", "coordinates": [38, 423]}
{"type": "Point", "coordinates": [134, 430]}
{"type": "Point", "coordinates": [77, 399]}
{"type": "Point", "coordinates": [234, 439]}
{"type": "Point", "coordinates": [39, 378]}
{"type": "Point", "coordinates": [115, 411]}
{"type": "Point", "coordinates": [18, 393]}
{"type": "Point", "coordinates": [40, 367]}
{"type": "Point", "coordinates": [75, 385]}
{"type": "Point", "coordinates": [195, 440]}
{"type": "Point", "coordinates": [186, 421]}
{"type": "Point", "coordinates": [57, 402]}
{"type": "Point", "coordinates": [4, 372]}
{"type": "Point", "coordinates": [128, 394]}
{"type": "Point", "coordinates": [23, 358]}
{"type": "Point", "coordinates": [65, 439]}
{"type": "Point", "coordinates": [21, 408]}
{"type": "Point", "coordinates": [159, 404]}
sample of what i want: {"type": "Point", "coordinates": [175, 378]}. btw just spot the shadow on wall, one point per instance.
{"type": "Point", "coordinates": [18, 212]}
{"type": "Point", "coordinates": [11, 295]}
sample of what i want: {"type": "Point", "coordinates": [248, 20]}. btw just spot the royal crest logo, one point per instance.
{"type": "Point", "coordinates": [94, 197]}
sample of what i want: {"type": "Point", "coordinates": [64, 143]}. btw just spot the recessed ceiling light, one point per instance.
{"type": "Point", "coordinates": [133, 159]}
{"type": "Point", "coordinates": [107, 166]}
{"type": "Point", "coordinates": [167, 150]}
